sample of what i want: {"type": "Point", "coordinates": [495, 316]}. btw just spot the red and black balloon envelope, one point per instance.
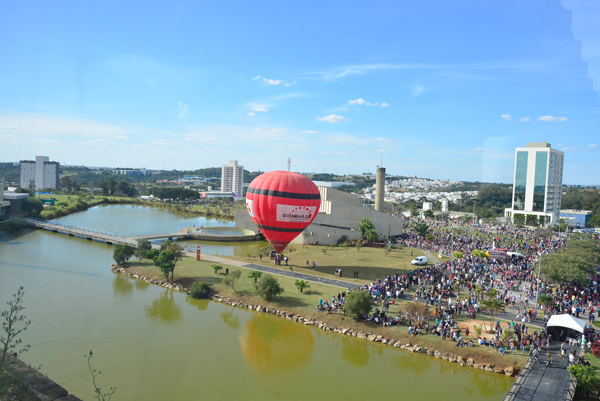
{"type": "Point", "coordinates": [282, 204]}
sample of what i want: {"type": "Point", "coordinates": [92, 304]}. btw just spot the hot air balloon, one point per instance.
{"type": "Point", "coordinates": [282, 204]}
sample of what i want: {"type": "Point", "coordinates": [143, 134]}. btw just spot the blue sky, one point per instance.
{"type": "Point", "coordinates": [441, 89]}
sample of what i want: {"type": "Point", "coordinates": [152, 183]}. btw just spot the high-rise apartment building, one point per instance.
{"type": "Point", "coordinates": [42, 172]}
{"type": "Point", "coordinates": [537, 186]}
{"type": "Point", "coordinates": [232, 178]}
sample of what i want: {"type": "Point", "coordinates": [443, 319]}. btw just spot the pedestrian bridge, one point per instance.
{"type": "Point", "coordinates": [217, 234]}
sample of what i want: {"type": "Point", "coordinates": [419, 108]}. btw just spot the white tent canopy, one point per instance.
{"type": "Point", "coordinates": [568, 321]}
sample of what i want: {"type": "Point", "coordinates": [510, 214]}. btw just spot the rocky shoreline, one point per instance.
{"type": "Point", "coordinates": [508, 371]}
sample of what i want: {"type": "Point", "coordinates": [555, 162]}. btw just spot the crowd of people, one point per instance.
{"type": "Point", "coordinates": [458, 286]}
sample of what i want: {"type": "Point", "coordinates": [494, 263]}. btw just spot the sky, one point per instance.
{"type": "Point", "coordinates": [439, 89]}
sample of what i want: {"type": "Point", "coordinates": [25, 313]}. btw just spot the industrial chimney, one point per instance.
{"type": "Point", "coordinates": [380, 189]}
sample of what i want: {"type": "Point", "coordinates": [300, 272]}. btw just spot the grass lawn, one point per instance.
{"type": "Point", "coordinates": [370, 263]}
{"type": "Point", "coordinates": [189, 270]}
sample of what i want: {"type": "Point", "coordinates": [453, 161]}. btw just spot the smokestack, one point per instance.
{"type": "Point", "coordinates": [380, 189]}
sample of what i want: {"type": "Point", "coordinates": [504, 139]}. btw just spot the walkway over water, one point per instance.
{"type": "Point", "coordinates": [204, 234]}
{"type": "Point", "coordinates": [536, 382]}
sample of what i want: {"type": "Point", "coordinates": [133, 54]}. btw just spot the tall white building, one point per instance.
{"type": "Point", "coordinates": [42, 172]}
{"type": "Point", "coordinates": [232, 178]}
{"type": "Point", "coordinates": [537, 186]}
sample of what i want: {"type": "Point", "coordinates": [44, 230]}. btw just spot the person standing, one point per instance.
{"type": "Point", "coordinates": [549, 361]}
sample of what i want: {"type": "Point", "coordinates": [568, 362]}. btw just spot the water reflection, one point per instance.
{"type": "Point", "coordinates": [141, 284]}
{"type": "Point", "coordinates": [355, 352]}
{"type": "Point", "coordinates": [122, 287]}
{"type": "Point", "coordinates": [419, 364]}
{"type": "Point", "coordinates": [201, 304]}
{"type": "Point", "coordinates": [271, 345]}
{"type": "Point", "coordinates": [230, 319]}
{"type": "Point", "coordinates": [488, 384]}
{"type": "Point", "coordinates": [165, 309]}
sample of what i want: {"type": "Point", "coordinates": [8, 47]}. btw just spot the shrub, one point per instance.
{"type": "Point", "coordinates": [200, 290]}
{"type": "Point", "coordinates": [358, 303]}
{"type": "Point", "coordinates": [342, 240]}
{"type": "Point", "coordinates": [268, 287]}
{"type": "Point", "coordinates": [596, 348]}
{"type": "Point", "coordinates": [457, 254]}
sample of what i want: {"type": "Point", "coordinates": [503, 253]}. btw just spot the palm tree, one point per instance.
{"type": "Point", "coordinates": [254, 274]}
{"type": "Point", "coordinates": [301, 284]}
{"type": "Point", "coordinates": [216, 268]}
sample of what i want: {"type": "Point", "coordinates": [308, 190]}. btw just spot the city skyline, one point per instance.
{"type": "Point", "coordinates": [444, 91]}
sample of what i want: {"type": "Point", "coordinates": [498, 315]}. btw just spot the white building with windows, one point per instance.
{"type": "Point", "coordinates": [537, 187]}
{"type": "Point", "coordinates": [232, 178]}
{"type": "Point", "coordinates": [42, 172]}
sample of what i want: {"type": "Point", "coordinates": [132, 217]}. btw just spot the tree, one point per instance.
{"type": "Point", "coordinates": [143, 246]}
{"type": "Point", "coordinates": [546, 300]}
{"type": "Point", "coordinates": [165, 245]}
{"type": "Point", "coordinates": [216, 268]}
{"type": "Point", "coordinates": [301, 284]}
{"type": "Point", "coordinates": [494, 306]}
{"type": "Point", "coordinates": [165, 262]}
{"type": "Point", "coordinates": [178, 253]}
{"type": "Point", "coordinates": [200, 290]}
{"type": "Point", "coordinates": [123, 253]}
{"type": "Point", "coordinates": [231, 278]}
{"type": "Point", "coordinates": [365, 225]}
{"type": "Point", "coordinates": [152, 254]}
{"type": "Point", "coordinates": [413, 211]}
{"type": "Point", "coordinates": [358, 303]}
{"type": "Point", "coordinates": [586, 380]}
{"type": "Point", "coordinates": [416, 311]}
{"type": "Point", "coordinates": [32, 206]}
{"type": "Point", "coordinates": [13, 324]}
{"type": "Point", "coordinates": [428, 214]}
{"type": "Point", "coordinates": [371, 235]}
{"type": "Point", "coordinates": [255, 275]}
{"type": "Point", "coordinates": [268, 287]}
{"type": "Point", "coordinates": [564, 267]}
{"type": "Point", "coordinates": [421, 229]}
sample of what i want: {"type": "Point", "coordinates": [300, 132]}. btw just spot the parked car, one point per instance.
{"type": "Point", "coordinates": [419, 260]}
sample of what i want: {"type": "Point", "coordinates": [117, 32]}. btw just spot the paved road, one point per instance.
{"type": "Point", "coordinates": [280, 272]}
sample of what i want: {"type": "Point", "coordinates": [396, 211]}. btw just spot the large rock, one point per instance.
{"type": "Point", "coordinates": [470, 361]}
{"type": "Point", "coordinates": [437, 354]}
{"type": "Point", "coordinates": [509, 371]}
{"type": "Point", "coordinates": [398, 344]}
{"type": "Point", "coordinates": [379, 338]}
{"type": "Point", "coordinates": [345, 330]}
{"type": "Point", "coordinates": [498, 370]}
{"type": "Point", "coordinates": [430, 352]}
{"type": "Point", "coordinates": [479, 366]}
{"type": "Point", "coordinates": [361, 334]}
{"type": "Point", "coordinates": [489, 368]}
{"type": "Point", "coordinates": [452, 358]}
{"type": "Point", "coordinates": [371, 337]}
{"type": "Point", "coordinates": [460, 359]}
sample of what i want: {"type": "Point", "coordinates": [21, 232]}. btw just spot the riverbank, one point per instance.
{"type": "Point", "coordinates": [22, 382]}
{"type": "Point", "coordinates": [69, 204]}
{"type": "Point", "coordinates": [301, 307]}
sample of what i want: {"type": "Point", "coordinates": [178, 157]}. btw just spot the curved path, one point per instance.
{"type": "Point", "coordinates": [280, 272]}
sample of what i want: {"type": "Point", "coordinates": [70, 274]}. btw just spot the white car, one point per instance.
{"type": "Point", "coordinates": [419, 260]}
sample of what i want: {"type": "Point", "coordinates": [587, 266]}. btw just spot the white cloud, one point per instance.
{"type": "Point", "coordinates": [329, 152]}
{"type": "Point", "coordinates": [122, 137]}
{"type": "Point", "coordinates": [272, 81]}
{"type": "Point", "coordinates": [309, 132]}
{"type": "Point", "coordinates": [384, 104]}
{"type": "Point", "coordinates": [251, 114]}
{"type": "Point", "coordinates": [416, 90]}
{"type": "Point", "coordinates": [524, 119]}
{"type": "Point", "coordinates": [357, 102]}
{"type": "Point", "coordinates": [183, 110]}
{"type": "Point", "coordinates": [256, 77]}
{"type": "Point", "coordinates": [360, 101]}
{"type": "Point", "coordinates": [480, 150]}
{"type": "Point", "coordinates": [551, 118]}
{"type": "Point", "coordinates": [567, 148]}
{"type": "Point", "coordinates": [592, 146]}
{"type": "Point", "coordinates": [262, 109]}
{"type": "Point", "coordinates": [506, 117]}
{"type": "Point", "coordinates": [332, 118]}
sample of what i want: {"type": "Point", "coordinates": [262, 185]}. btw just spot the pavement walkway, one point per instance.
{"type": "Point", "coordinates": [280, 272]}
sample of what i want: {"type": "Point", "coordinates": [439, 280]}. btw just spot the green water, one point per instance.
{"type": "Point", "coordinates": [156, 344]}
